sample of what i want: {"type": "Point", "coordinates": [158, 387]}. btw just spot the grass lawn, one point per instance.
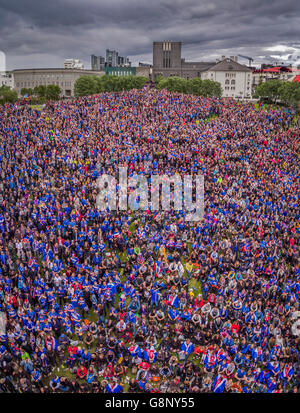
{"type": "Point", "coordinates": [37, 107]}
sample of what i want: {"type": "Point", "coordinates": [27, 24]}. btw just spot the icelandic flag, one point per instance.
{"type": "Point", "coordinates": [75, 318]}
{"type": "Point", "coordinates": [174, 301]}
{"type": "Point", "coordinates": [114, 388]}
{"type": "Point", "coordinates": [219, 384]}
{"type": "Point", "coordinates": [157, 268]}
{"type": "Point", "coordinates": [32, 264]}
{"type": "Point", "coordinates": [287, 372]}
{"type": "Point", "coordinates": [150, 355]}
{"type": "Point", "coordinates": [135, 350]}
{"type": "Point", "coordinates": [221, 355]}
{"type": "Point", "coordinates": [116, 234]}
{"type": "Point", "coordinates": [170, 244]}
{"type": "Point", "coordinates": [273, 367]}
{"type": "Point", "coordinates": [271, 385]}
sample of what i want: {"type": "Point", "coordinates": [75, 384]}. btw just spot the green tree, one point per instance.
{"type": "Point", "coordinates": [269, 90]}
{"type": "Point", "coordinates": [26, 91]}
{"type": "Point", "coordinates": [7, 95]}
{"type": "Point", "coordinates": [40, 91]}
{"type": "Point", "coordinates": [194, 86]}
{"type": "Point", "coordinates": [52, 92]}
{"type": "Point", "coordinates": [86, 85]}
{"type": "Point", "coordinates": [289, 93]}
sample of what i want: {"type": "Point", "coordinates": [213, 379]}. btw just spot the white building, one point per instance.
{"type": "Point", "coordinates": [73, 64]}
{"type": "Point", "coordinates": [6, 79]}
{"type": "Point", "coordinates": [235, 79]}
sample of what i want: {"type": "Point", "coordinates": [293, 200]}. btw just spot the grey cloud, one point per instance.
{"type": "Point", "coordinates": [40, 33]}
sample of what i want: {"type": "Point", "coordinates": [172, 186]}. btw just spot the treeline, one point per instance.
{"type": "Point", "coordinates": [42, 93]}
{"type": "Point", "coordinates": [274, 91]}
{"type": "Point", "coordinates": [195, 86]}
{"type": "Point", "coordinates": [90, 85]}
{"type": "Point", "coordinates": [7, 95]}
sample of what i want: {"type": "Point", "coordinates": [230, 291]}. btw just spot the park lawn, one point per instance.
{"type": "Point", "coordinates": [37, 107]}
{"type": "Point", "coordinates": [195, 286]}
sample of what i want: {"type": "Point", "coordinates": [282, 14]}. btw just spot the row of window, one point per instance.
{"type": "Point", "coordinates": [120, 73]}
{"type": "Point", "coordinates": [233, 88]}
{"type": "Point", "coordinates": [35, 83]}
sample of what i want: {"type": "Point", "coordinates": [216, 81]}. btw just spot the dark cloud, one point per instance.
{"type": "Point", "coordinates": [35, 33]}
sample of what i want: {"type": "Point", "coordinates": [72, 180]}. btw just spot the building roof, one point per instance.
{"type": "Point", "coordinates": [55, 69]}
{"type": "Point", "coordinates": [228, 64]}
{"type": "Point", "coordinates": [278, 69]}
{"type": "Point", "coordinates": [297, 79]}
{"type": "Point", "coordinates": [196, 65]}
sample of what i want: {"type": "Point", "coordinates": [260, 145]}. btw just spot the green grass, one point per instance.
{"type": "Point", "coordinates": [37, 107]}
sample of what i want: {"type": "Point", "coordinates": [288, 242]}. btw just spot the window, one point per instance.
{"type": "Point", "coordinates": [233, 82]}
{"type": "Point", "coordinates": [166, 59]}
{"type": "Point", "coordinates": [227, 82]}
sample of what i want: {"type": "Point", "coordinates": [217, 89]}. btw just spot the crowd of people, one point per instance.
{"type": "Point", "coordinates": [145, 301]}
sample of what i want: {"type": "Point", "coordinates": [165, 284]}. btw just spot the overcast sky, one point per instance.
{"type": "Point", "coordinates": [42, 33]}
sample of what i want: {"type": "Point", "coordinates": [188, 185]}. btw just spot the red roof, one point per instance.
{"type": "Point", "coordinates": [272, 69]}
{"type": "Point", "coordinates": [297, 79]}
{"type": "Point", "coordinates": [277, 69]}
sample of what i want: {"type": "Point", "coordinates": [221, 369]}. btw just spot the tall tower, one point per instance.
{"type": "Point", "coordinates": [167, 58]}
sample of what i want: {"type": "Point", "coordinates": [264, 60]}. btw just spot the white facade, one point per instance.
{"type": "Point", "coordinates": [6, 79]}
{"type": "Point", "coordinates": [235, 79]}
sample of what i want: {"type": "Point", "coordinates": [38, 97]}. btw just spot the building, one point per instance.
{"type": "Point", "coordinates": [141, 64]}
{"type": "Point", "coordinates": [64, 78]}
{"type": "Point", "coordinates": [296, 79]}
{"type": "Point", "coordinates": [120, 71]}
{"type": "Point", "coordinates": [265, 74]}
{"type": "Point", "coordinates": [123, 61]}
{"type": "Point", "coordinates": [145, 71]}
{"type": "Point", "coordinates": [97, 62]}
{"type": "Point", "coordinates": [235, 79]}
{"type": "Point", "coordinates": [167, 61]}
{"type": "Point", "coordinates": [6, 79]}
{"type": "Point", "coordinates": [113, 59]}
{"type": "Point", "coordinates": [73, 64]}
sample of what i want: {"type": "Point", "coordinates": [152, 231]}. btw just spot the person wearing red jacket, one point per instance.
{"type": "Point", "coordinates": [81, 372]}
{"type": "Point", "coordinates": [235, 327]}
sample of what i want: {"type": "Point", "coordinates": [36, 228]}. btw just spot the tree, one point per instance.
{"type": "Point", "coordinates": [269, 90]}
{"type": "Point", "coordinates": [7, 95]}
{"type": "Point", "coordinates": [194, 86]}
{"type": "Point", "coordinates": [52, 92]}
{"type": "Point", "coordinates": [289, 93]}
{"type": "Point", "coordinates": [26, 91]}
{"type": "Point", "coordinates": [40, 91]}
{"type": "Point", "coordinates": [86, 85]}
{"type": "Point", "coordinates": [210, 88]}
{"type": "Point", "coordinates": [89, 85]}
